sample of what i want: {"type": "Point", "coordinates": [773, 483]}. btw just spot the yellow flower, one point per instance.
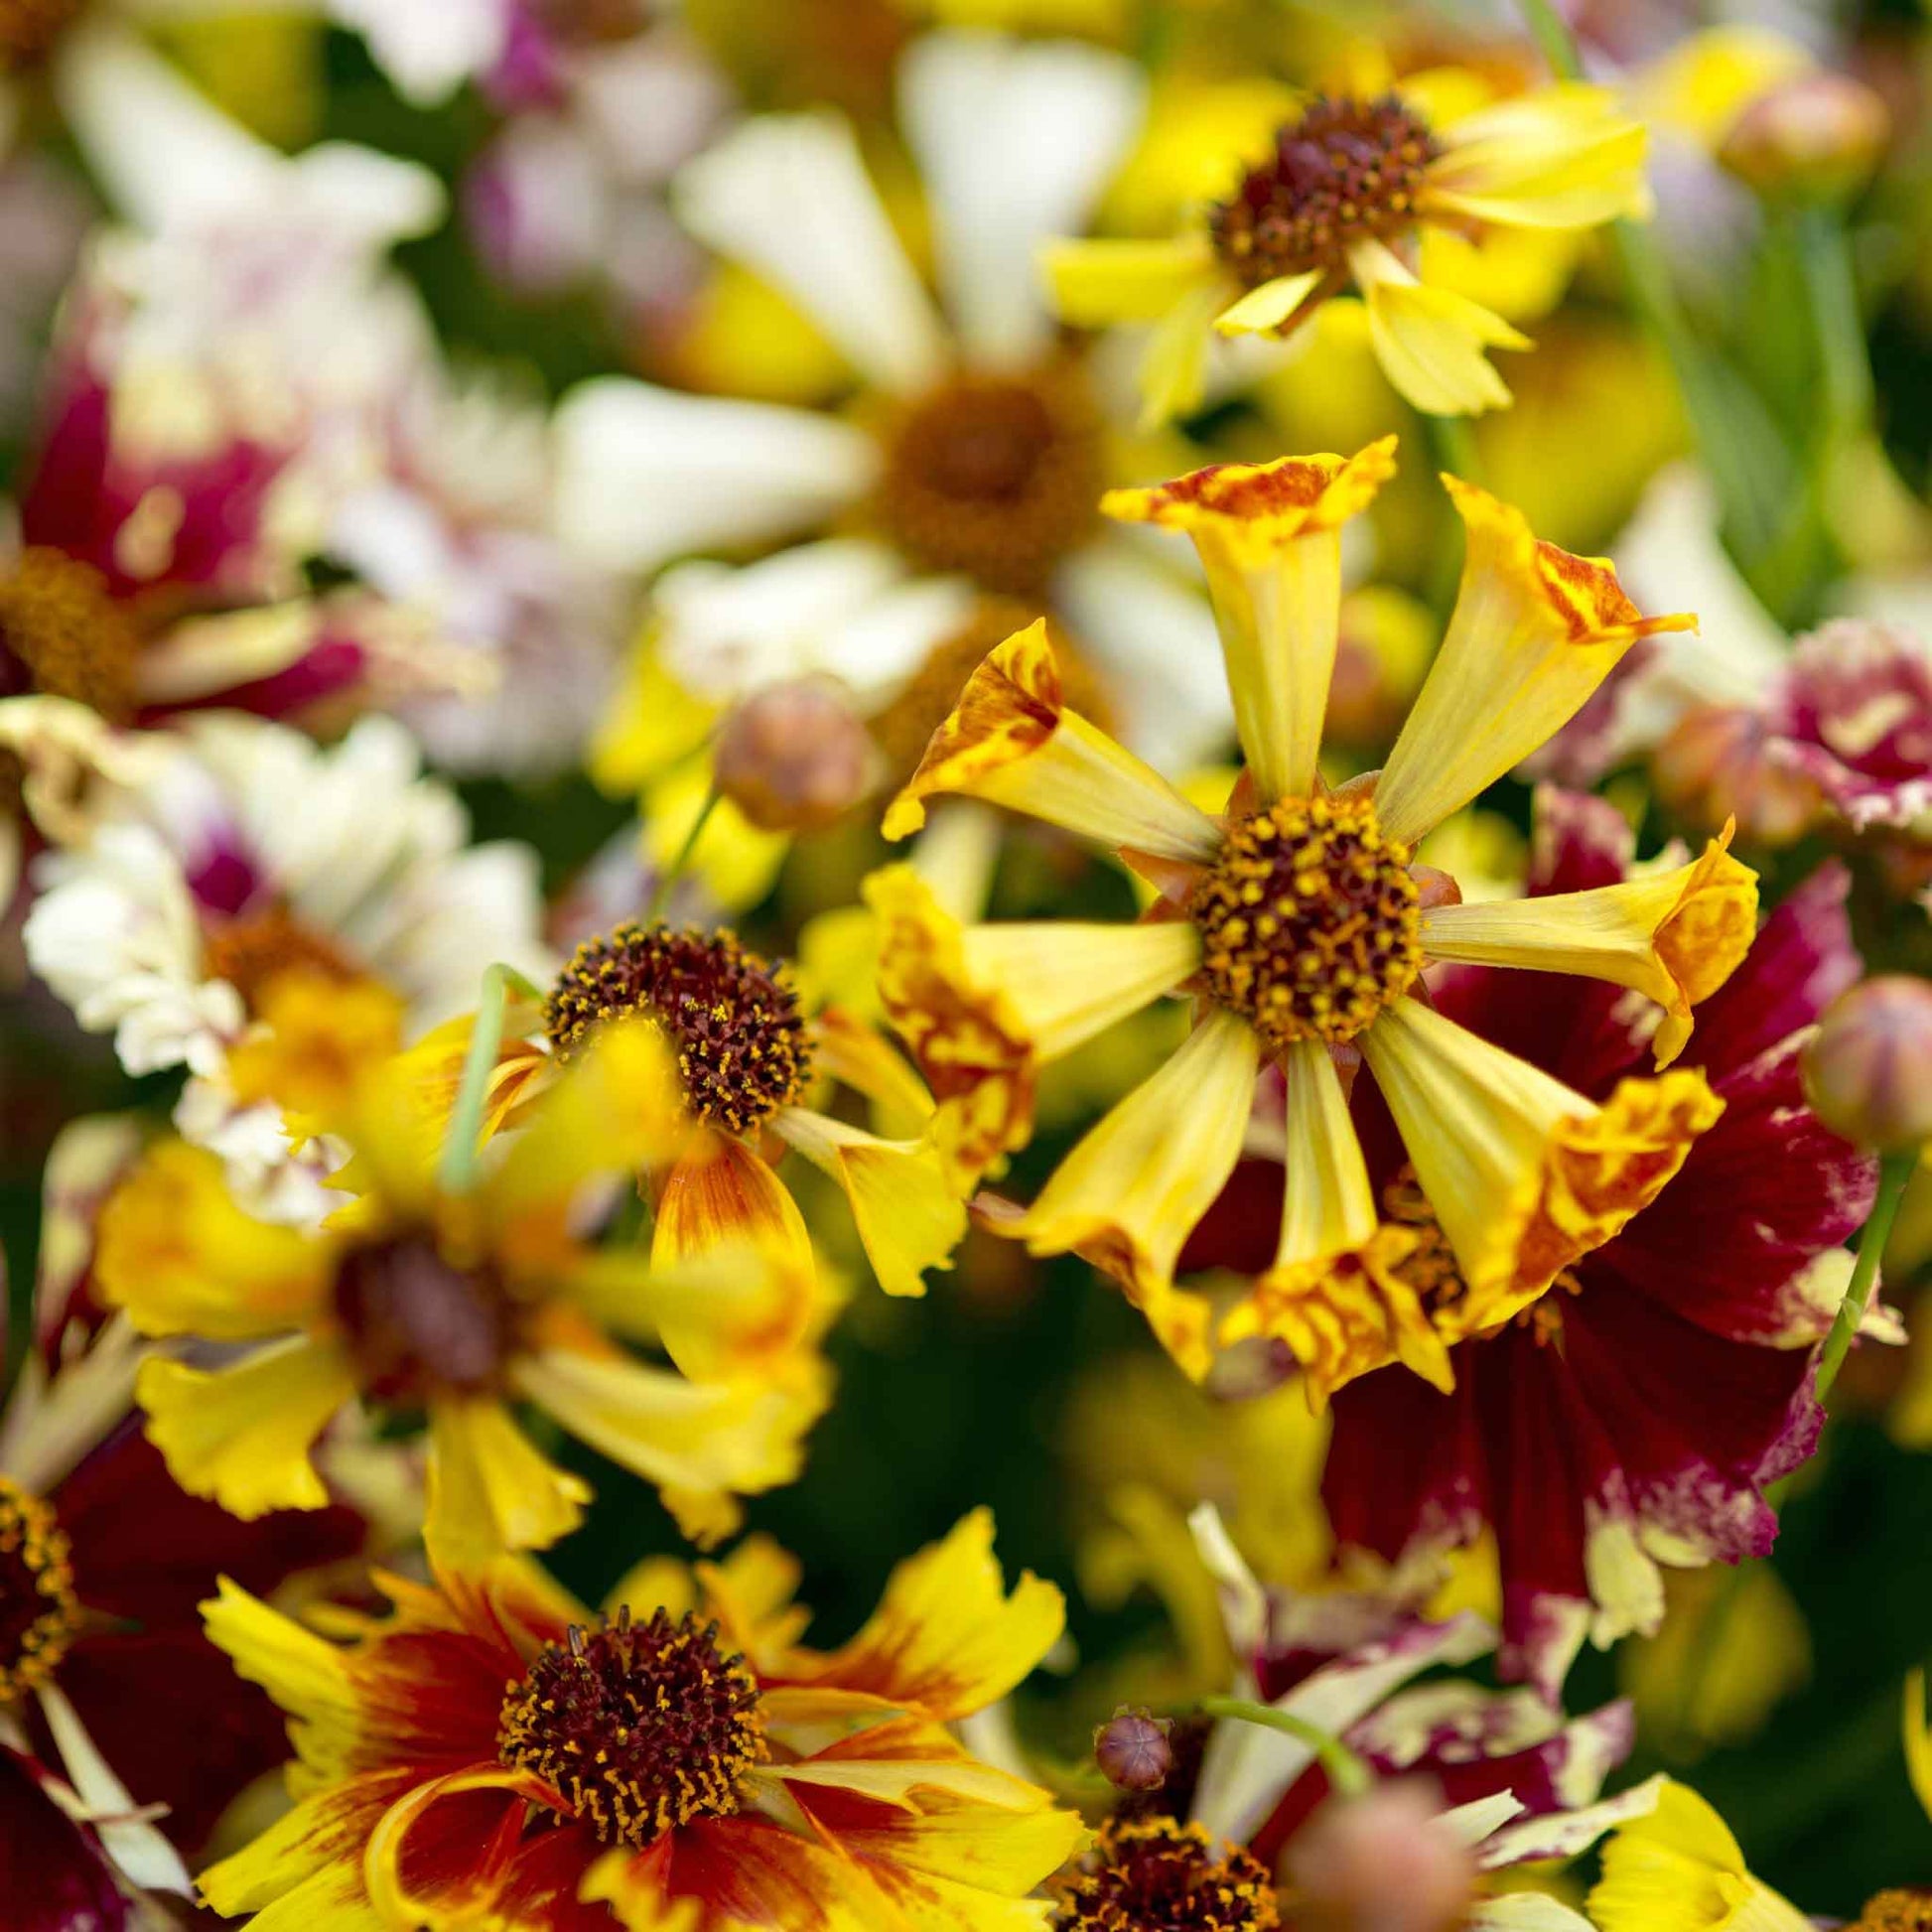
{"type": "Point", "coordinates": [463, 1306]}
{"type": "Point", "coordinates": [1679, 1869]}
{"type": "Point", "coordinates": [1301, 926]}
{"type": "Point", "coordinates": [1360, 192]}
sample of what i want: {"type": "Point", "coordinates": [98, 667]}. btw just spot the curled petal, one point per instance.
{"type": "Point", "coordinates": [1430, 341]}
{"type": "Point", "coordinates": [490, 1489]}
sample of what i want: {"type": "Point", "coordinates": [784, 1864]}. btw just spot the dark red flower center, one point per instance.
{"type": "Point", "coordinates": [640, 1727]}
{"type": "Point", "coordinates": [733, 1017]}
{"type": "Point", "coordinates": [1155, 1874]}
{"type": "Point", "coordinates": [61, 633]}
{"type": "Point", "coordinates": [29, 29]}
{"type": "Point", "coordinates": [995, 477]}
{"type": "Point", "coordinates": [39, 1613]}
{"type": "Point", "coordinates": [418, 1322]}
{"type": "Point", "coordinates": [1310, 920]}
{"type": "Point", "coordinates": [1348, 171]}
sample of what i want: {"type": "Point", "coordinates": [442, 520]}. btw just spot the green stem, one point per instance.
{"type": "Point", "coordinates": [1894, 1170]}
{"type": "Point", "coordinates": [1454, 441]}
{"type": "Point", "coordinates": [1347, 1774]}
{"type": "Point", "coordinates": [1551, 34]}
{"type": "Point", "coordinates": [455, 1173]}
{"type": "Point", "coordinates": [1832, 288]}
{"type": "Point", "coordinates": [667, 880]}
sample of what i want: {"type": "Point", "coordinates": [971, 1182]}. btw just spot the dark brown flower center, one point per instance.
{"type": "Point", "coordinates": [61, 633]}
{"type": "Point", "coordinates": [418, 1323]}
{"type": "Point", "coordinates": [1348, 171]}
{"type": "Point", "coordinates": [29, 29]}
{"type": "Point", "coordinates": [640, 1727]}
{"type": "Point", "coordinates": [590, 23]}
{"type": "Point", "coordinates": [257, 948]}
{"type": "Point", "coordinates": [1155, 1874]}
{"type": "Point", "coordinates": [995, 477]}
{"type": "Point", "coordinates": [1310, 920]}
{"type": "Point", "coordinates": [38, 1615]}
{"type": "Point", "coordinates": [733, 1017]}
{"type": "Point", "coordinates": [1895, 1911]}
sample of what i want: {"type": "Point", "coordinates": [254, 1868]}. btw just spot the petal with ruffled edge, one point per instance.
{"type": "Point", "coordinates": [488, 1487]}
{"type": "Point", "coordinates": [1270, 540]}
{"type": "Point", "coordinates": [1674, 936]}
{"type": "Point", "coordinates": [1524, 1176]}
{"type": "Point", "coordinates": [1431, 342]}
{"type": "Point", "coordinates": [1127, 1197]}
{"type": "Point", "coordinates": [1535, 630]}
{"type": "Point", "coordinates": [982, 1008]}
{"type": "Point", "coordinates": [1562, 157]}
{"type": "Point", "coordinates": [242, 1435]}
{"type": "Point", "coordinates": [1012, 740]}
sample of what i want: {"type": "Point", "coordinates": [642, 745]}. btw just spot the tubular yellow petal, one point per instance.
{"type": "Point", "coordinates": [488, 1489]}
{"type": "Point", "coordinates": [983, 1008]}
{"type": "Point", "coordinates": [241, 1435]}
{"type": "Point", "coordinates": [1328, 1205]}
{"type": "Point", "coordinates": [1524, 1176]}
{"type": "Point", "coordinates": [1270, 541]}
{"type": "Point", "coordinates": [909, 1215]}
{"type": "Point", "coordinates": [1565, 157]}
{"type": "Point", "coordinates": [182, 1259]}
{"type": "Point", "coordinates": [1428, 340]}
{"type": "Point", "coordinates": [1094, 284]}
{"type": "Point", "coordinates": [1264, 310]}
{"type": "Point", "coordinates": [1679, 1869]}
{"type": "Point", "coordinates": [1535, 630]}
{"type": "Point", "coordinates": [1011, 739]}
{"type": "Point", "coordinates": [1674, 936]}
{"type": "Point", "coordinates": [1129, 1195]}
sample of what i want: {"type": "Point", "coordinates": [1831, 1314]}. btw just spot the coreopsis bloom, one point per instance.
{"type": "Point", "coordinates": [1343, 200]}
{"type": "Point", "coordinates": [417, 1297]}
{"type": "Point", "coordinates": [1667, 1380]}
{"type": "Point", "coordinates": [270, 914]}
{"type": "Point", "coordinates": [747, 1056]}
{"type": "Point", "coordinates": [965, 470]}
{"type": "Point", "coordinates": [490, 1751]}
{"type": "Point", "coordinates": [1302, 926]}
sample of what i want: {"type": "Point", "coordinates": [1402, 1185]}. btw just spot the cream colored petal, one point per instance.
{"type": "Point", "coordinates": [788, 197]}
{"type": "Point", "coordinates": [1535, 630]}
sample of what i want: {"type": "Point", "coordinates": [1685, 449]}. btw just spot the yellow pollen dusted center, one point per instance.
{"type": "Point", "coordinates": [1348, 171]}
{"type": "Point", "coordinates": [640, 1727]}
{"type": "Point", "coordinates": [1155, 1874]}
{"type": "Point", "coordinates": [39, 1613]}
{"type": "Point", "coordinates": [1310, 920]}
{"type": "Point", "coordinates": [61, 633]}
{"type": "Point", "coordinates": [29, 29]}
{"type": "Point", "coordinates": [995, 477]}
{"type": "Point", "coordinates": [256, 950]}
{"type": "Point", "coordinates": [1895, 1911]}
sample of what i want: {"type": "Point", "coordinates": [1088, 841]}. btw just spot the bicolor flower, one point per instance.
{"type": "Point", "coordinates": [965, 470]}
{"type": "Point", "coordinates": [1344, 201]}
{"type": "Point", "coordinates": [416, 1298]}
{"type": "Point", "coordinates": [1300, 926]}
{"type": "Point", "coordinates": [1635, 1416]}
{"type": "Point", "coordinates": [270, 916]}
{"type": "Point", "coordinates": [491, 1752]}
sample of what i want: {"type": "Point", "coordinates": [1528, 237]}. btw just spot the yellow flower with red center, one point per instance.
{"type": "Point", "coordinates": [1300, 926]}
{"type": "Point", "coordinates": [490, 1753]}
{"type": "Point", "coordinates": [1348, 194]}
{"type": "Point", "coordinates": [465, 1305]}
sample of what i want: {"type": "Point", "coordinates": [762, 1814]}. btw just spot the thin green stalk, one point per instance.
{"type": "Point", "coordinates": [1832, 288]}
{"type": "Point", "coordinates": [1551, 34]}
{"type": "Point", "coordinates": [1347, 1774]}
{"type": "Point", "coordinates": [1894, 1170]}
{"type": "Point", "coordinates": [456, 1173]}
{"type": "Point", "coordinates": [667, 880]}
{"type": "Point", "coordinates": [1454, 440]}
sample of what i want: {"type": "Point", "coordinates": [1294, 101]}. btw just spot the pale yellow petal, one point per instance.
{"type": "Point", "coordinates": [1535, 630]}
{"type": "Point", "coordinates": [1094, 284]}
{"type": "Point", "coordinates": [1432, 342]}
{"type": "Point", "coordinates": [1264, 310]}
{"type": "Point", "coordinates": [490, 1489]}
{"type": "Point", "coordinates": [1174, 365]}
{"type": "Point", "coordinates": [1562, 157]}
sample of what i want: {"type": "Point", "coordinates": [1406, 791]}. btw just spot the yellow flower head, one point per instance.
{"type": "Point", "coordinates": [1300, 926]}
{"type": "Point", "coordinates": [1677, 1868]}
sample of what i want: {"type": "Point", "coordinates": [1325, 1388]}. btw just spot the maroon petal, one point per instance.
{"type": "Point", "coordinates": [53, 1875]}
{"type": "Point", "coordinates": [1577, 842]}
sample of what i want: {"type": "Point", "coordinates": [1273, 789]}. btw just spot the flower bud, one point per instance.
{"type": "Point", "coordinates": [1719, 763]}
{"type": "Point", "coordinates": [1132, 1749]}
{"type": "Point", "coordinates": [1868, 1068]}
{"type": "Point", "coordinates": [794, 757]}
{"type": "Point", "coordinates": [1381, 1863]}
{"type": "Point", "coordinates": [1816, 137]}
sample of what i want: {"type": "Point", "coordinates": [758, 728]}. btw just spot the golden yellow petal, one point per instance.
{"type": "Point", "coordinates": [1562, 157]}
{"type": "Point", "coordinates": [1535, 630]}
{"type": "Point", "coordinates": [490, 1489]}
{"type": "Point", "coordinates": [1432, 342]}
{"type": "Point", "coordinates": [1093, 284]}
{"type": "Point", "coordinates": [1679, 1869]}
{"type": "Point", "coordinates": [1264, 310]}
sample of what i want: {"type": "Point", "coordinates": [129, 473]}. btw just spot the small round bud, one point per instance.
{"type": "Point", "coordinates": [1132, 1749]}
{"type": "Point", "coordinates": [1721, 762]}
{"type": "Point", "coordinates": [1868, 1068]}
{"type": "Point", "coordinates": [794, 757]}
{"type": "Point", "coordinates": [1816, 137]}
{"type": "Point", "coordinates": [1381, 1863]}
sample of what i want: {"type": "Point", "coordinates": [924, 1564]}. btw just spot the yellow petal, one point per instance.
{"type": "Point", "coordinates": [1564, 157]}
{"type": "Point", "coordinates": [490, 1490]}
{"type": "Point", "coordinates": [651, 724]}
{"type": "Point", "coordinates": [1706, 80]}
{"type": "Point", "coordinates": [1270, 540]}
{"type": "Point", "coordinates": [305, 1869]}
{"type": "Point", "coordinates": [1524, 1176]}
{"type": "Point", "coordinates": [1918, 1743]}
{"type": "Point", "coordinates": [858, 1055]}
{"type": "Point", "coordinates": [1326, 1202]}
{"type": "Point", "coordinates": [182, 1259]}
{"type": "Point", "coordinates": [1535, 630]}
{"type": "Point", "coordinates": [721, 1196]}
{"type": "Point", "coordinates": [909, 1215]}
{"type": "Point", "coordinates": [1264, 310]}
{"type": "Point", "coordinates": [241, 1435]}
{"type": "Point", "coordinates": [318, 1038]}
{"type": "Point", "coordinates": [1674, 936]}
{"type": "Point", "coordinates": [1431, 342]}
{"type": "Point", "coordinates": [1174, 365]}
{"type": "Point", "coordinates": [1129, 1195]}
{"type": "Point", "coordinates": [732, 859]}
{"type": "Point", "coordinates": [1094, 284]}
{"type": "Point", "coordinates": [1011, 739]}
